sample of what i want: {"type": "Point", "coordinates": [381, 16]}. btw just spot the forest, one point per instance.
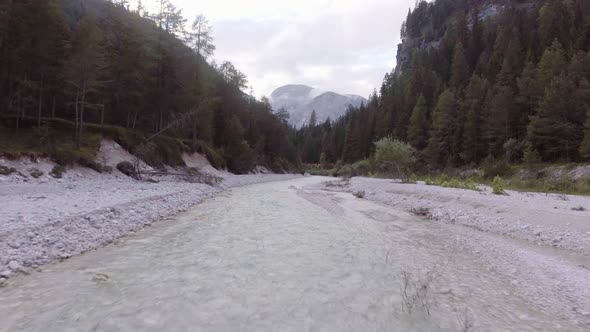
{"type": "Point", "coordinates": [476, 82]}
{"type": "Point", "coordinates": [75, 70]}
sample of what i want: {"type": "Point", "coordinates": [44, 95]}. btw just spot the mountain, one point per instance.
{"type": "Point", "coordinates": [301, 100]}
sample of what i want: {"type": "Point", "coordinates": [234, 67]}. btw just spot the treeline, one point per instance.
{"type": "Point", "coordinates": [476, 85]}
{"type": "Point", "coordinates": [102, 62]}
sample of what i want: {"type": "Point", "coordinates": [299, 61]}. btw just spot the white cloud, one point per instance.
{"type": "Point", "coordinates": [341, 45]}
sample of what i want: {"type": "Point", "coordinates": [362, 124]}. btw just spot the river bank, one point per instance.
{"type": "Point", "coordinates": [45, 221]}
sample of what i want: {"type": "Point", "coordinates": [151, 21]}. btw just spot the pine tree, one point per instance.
{"type": "Point", "coordinates": [459, 69]}
{"type": "Point", "coordinates": [418, 130]}
{"type": "Point", "coordinates": [473, 106]}
{"type": "Point", "coordinates": [443, 129]}
{"type": "Point", "coordinates": [585, 146]}
{"type": "Point", "coordinates": [312, 120]}
{"type": "Point", "coordinates": [550, 132]}
{"type": "Point", "coordinates": [552, 63]}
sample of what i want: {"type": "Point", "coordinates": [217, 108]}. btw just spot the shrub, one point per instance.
{"type": "Point", "coordinates": [394, 156]}
{"type": "Point", "coordinates": [492, 168]}
{"type": "Point", "coordinates": [579, 208]}
{"type": "Point", "coordinates": [57, 171]}
{"type": "Point", "coordinates": [359, 194]}
{"type": "Point", "coordinates": [4, 170]}
{"type": "Point", "coordinates": [127, 168]}
{"type": "Point", "coordinates": [498, 186]}
{"type": "Point", "coordinates": [36, 173]}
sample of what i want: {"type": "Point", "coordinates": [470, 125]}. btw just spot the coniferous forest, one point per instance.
{"type": "Point", "coordinates": [84, 67]}
{"type": "Point", "coordinates": [476, 81]}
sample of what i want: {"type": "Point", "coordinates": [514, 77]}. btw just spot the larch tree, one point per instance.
{"type": "Point", "coordinates": [200, 38]}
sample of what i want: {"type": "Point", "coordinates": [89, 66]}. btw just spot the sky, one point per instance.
{"type": "Point", "coordinates": [345, 46]}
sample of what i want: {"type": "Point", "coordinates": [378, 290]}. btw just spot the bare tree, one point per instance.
{"type": "Point", "coordinates": [85, 67]}
{"type": "Point", "coordinates": [200, 37]}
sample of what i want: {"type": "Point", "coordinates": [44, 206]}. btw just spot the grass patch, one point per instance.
{"type": "Point", "coordinates": [446, 181]}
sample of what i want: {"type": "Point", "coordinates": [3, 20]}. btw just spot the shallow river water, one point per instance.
{"type": "Point", "coordinates": [273, 257]}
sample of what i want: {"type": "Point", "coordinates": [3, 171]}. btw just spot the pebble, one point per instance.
{"type": "Point", "coordinates": [2, 281]}
{"type": "Point", "coordinates": [14, 245]}
{"type": "Point", "coordinates": [14, 265]}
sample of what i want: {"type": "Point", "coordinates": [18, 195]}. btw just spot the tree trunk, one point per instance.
{"type": "Point", "coordinates": [53, 108]}
{"type": "Point", "coordinates": [76, 121]}
{"type": "Point", "coordinates": [40, 108]}
{"type": "Point", "coordinates": [81, 126]}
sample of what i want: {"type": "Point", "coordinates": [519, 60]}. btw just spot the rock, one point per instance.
{"type": "Point", "coordinates": [14, 265]}
{"type": "Point", "coordinates": [5, 273]}
{"type": "Point", "coordinates": [15, 245]}
{"type": "Point", "coordinates": [2, 281]}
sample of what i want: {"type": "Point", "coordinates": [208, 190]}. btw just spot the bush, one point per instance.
{"type": "Point", "coordinates": [57, 171]}
{"type": "Point", "coordinates": [359, 194]}
{"type": "Point", "coordinates": [393, 156]}
{"type": "Point", "coordinates": [127, 168]}
{"type": "Point", "coordinates": [498, 186]}
{"type": "Point", "coordinates": [492, 168]}
{"type": "Point", "coordinates": [36, 173]}
{"type": "Point", "coordinates": [4, 170]}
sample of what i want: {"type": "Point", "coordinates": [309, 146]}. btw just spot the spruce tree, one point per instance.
{"type": "Point", "coordinates": [442, 131]}
{"type": "Point", "coordinates": [459, 68]}
{"type": "Point", "coordinates": [418, 130]}
{"type": "Point", "coordinates": [550, 132]}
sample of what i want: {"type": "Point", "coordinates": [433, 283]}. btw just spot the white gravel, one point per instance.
{"type": "Point", "coordinates": [52, 219]}
{"type": "Point", "coordinates": [544, 219]}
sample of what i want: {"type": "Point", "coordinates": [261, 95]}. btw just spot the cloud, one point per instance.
{"type": "Point", "coordinates": [340, 45]}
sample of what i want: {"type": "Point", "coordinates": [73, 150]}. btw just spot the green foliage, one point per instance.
{"type": "Point", "coordinates": [519, 79]}
{"type": "Point", "coordinates": [446, 181]}
{"type": "Point", "coordinates": [36, 173]}
{"type": "Point", "coordinates": [5, 170]}
{"type": "Point", "coordinates": [418, 130]}
{"type": "Point", "coordinates": [493, 168]}
{"type": "Point", "coordinates": [132, 73]}
{"type": "Point", "coordinates": [393, 156]}
{"type": "Point", "coordinates": [498, 186]}
{"type": "Point", "coordinates": [57, 171]}
{"type": "Point", "coordinates": [585, 145]}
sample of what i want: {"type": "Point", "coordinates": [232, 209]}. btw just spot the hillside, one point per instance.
{"type": "Point", "coordinates": [301, 100]}
{"type": "Point", "coordinates": [477, 83]}
{"type": "Point", "coordinates": [72, 69]}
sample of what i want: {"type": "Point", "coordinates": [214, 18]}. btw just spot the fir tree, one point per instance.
{"type": "Point", "coordinates": [418, 130]}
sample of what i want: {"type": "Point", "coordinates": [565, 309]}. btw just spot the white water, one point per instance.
{"type": "Point", "coordinates": [271, 257]}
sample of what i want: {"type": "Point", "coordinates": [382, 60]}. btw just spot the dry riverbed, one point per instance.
{"type": "Point", "coordinates": [291, 256]}
{"type": "Point", "coordinates": [48, 219]}
{"type": "Point", "coordinates": [554, 220]}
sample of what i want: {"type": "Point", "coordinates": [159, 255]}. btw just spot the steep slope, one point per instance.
{"type": "Point", "coordinates": [67, 66]}
{"type": "Point", "coordinates": [301, 100]}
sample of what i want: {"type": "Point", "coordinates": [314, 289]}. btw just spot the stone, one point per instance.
{"type": "Point", "coordinates": [14, 265]}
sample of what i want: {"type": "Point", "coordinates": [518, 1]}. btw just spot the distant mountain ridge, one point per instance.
{"type": "Point", "coordinates": [301, 100]}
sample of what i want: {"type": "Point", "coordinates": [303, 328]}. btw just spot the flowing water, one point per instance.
{"type": "Point", "coordinates": [271, 257]}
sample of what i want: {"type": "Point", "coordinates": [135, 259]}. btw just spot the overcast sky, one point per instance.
{"type": "Point", "coordinates": [345, 46]}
